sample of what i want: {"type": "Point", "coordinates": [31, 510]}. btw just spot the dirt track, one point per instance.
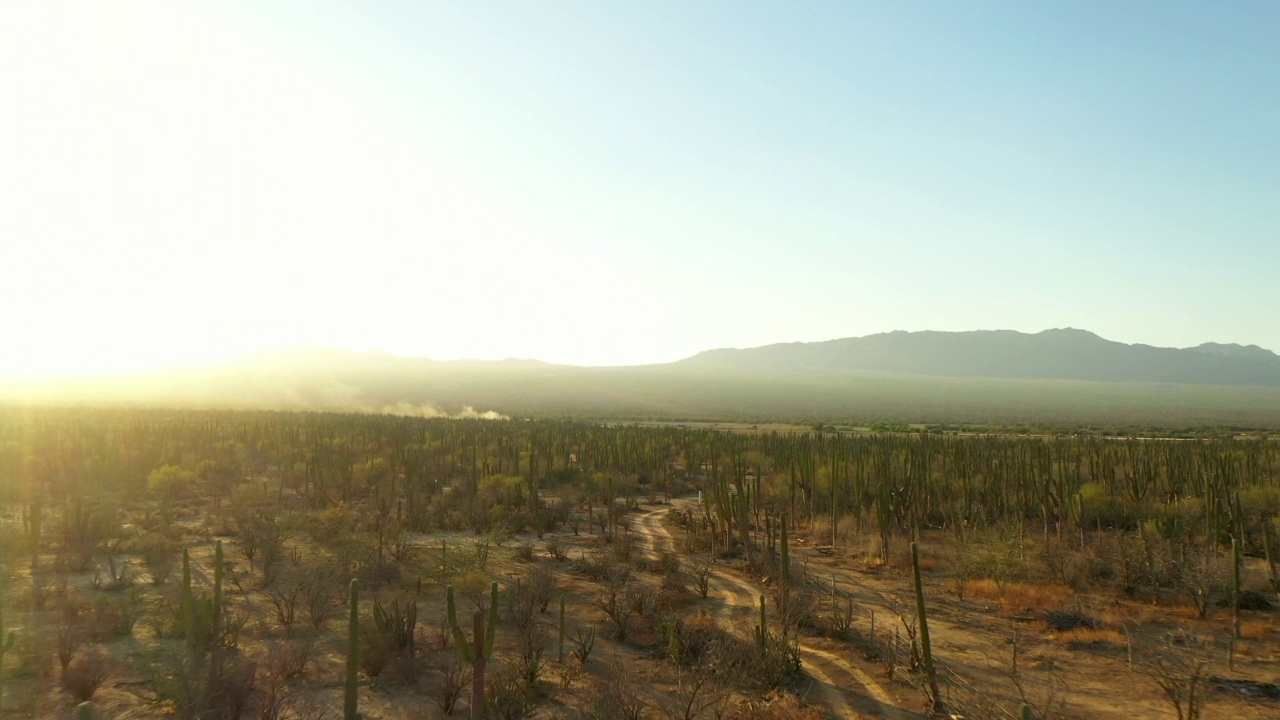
{"type": "Point", "coordinates": [848, 691]}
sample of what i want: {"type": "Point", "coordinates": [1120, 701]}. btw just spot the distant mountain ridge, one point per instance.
{"type": "Point", "coordinates": [1058, 354]}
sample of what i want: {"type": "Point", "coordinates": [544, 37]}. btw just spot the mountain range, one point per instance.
{"type": "Point", "coordinates": [1060, 354]}
{"type": "Point", "coordinates": [1055, 377]}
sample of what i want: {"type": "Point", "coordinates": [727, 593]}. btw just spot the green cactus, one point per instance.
{"type": "Point", "coordinates": [762, 629]}
{"type": "Point", "coordinates": [560, 626]}
{"type": "Point", "coordinates": [1026, 712]}
{"type": "Point", "coordinates": [479, 651]}
{"type": "Point", "coordinates": [85, 711]}
{"type": "Point", "coordinates": [217, 610]}
{"type": "Point", "coordinates": [1235, 588]}
{"type": "Point", "coordinates": [7, 641]}
{"type": "Point", "coordinates": [1270, 557]}
{"type": "Point", "coordinates": [353, 656]}
{"type": "Point", "coordinates": [188, 602]}
{"type": "Point", "coordinates": [396, 624]}
{"type": "Point", "coordinates": [930, 671]}
{"type": "Point", "coordinates": [785, 583]}
{"type": "Point", "coordinates": [32, 526]}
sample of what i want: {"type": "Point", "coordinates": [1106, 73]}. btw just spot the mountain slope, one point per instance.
{"type": "Point", "coordinates": [1064, 354]}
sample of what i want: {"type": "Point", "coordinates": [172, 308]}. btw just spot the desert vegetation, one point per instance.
{"type": "Point", "coordinates": [228, 564]}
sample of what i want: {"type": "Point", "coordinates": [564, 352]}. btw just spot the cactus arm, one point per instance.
{"type": "Point", "coordinates": [492, 624]}
{"type": "Point", "coordinates": [459, 639]}
{"type": "Point", "coordinates": [351, 695]}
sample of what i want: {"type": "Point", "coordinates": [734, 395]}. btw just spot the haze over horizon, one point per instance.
{"type": "Point", "coordinates": [609, 185]}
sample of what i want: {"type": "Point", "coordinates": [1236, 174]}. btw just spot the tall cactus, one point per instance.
{"type": "Point", "coordinates": [1270, 557]}
{"type": "Point", "coordinates": [33, 528]}
{"type": "Point", "coordinates": [188, 602]}
{"type": "Point", "coordinates": [217, 594]}
{"type": "Point", "coordinates": [930, 671]}
{"type": "Point", "coordinates": [7, 641]}
{"type": "Point", "coordinates": [762, 629]}
{"type": "Point", "coordinates": [349, 701]}
{"type": "Point", "coordinates": [480, 650]}
{"type": "Point", "coordinates": [785, 589]}
{"type": "Point", "coordinates": [560, 626]}
{"type": "Point", "coordinates": [85, 711]}
{"type": "Point", "coordinates": [1235, 588]}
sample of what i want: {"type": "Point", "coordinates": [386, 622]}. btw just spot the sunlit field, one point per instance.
{"type": "Point", "coordinates": [230, 564]}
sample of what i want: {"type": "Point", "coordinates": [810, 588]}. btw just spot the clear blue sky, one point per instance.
{"type": "Point", "coordinates": [611, 183]}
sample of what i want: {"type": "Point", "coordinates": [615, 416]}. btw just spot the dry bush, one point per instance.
{"type": "Point", "coordinates": [1067, 620]}
{"type": "Point", "coordinates": [70, 637]}
{"type": "Point", "coordinates": [1025, 597]}
{"type": "Point", "coordinates": [230, 686]}
{"type": "Point", "coordinates": [1082, 638]}
{"type": "Point", "coordinates": [623, 547]}
{"type": "Point", "coordinates": [524, 552]}
{"type": "Point", "coordinates": [983, 588]}
{"type": "Point", "coordinates": [689, 640]}
{"type": "Point", "coordinates": [1066, 565]}
{"type": "Point", "coordinates": [289, 658]}
{"type": "Point", "coordinates": [113, 617]}
{"type": "Point", "coordinates": [668, 563]}
{"type": "Point", "coordinates": [85, 674]}
{"type": "Point", "coordinates": [556, 549]}
{"type": "Point", "coordinates": [614, 600]}
{"type": "Point", "coordinates": [697, 694]}
{"type": "Point", "coordinates": [1131, 614]}
{"type": "Point", "coordinates": [702, 578]}
{"type": "Point", "coordinates": [375, 651]}
{"type": "Point", "coordinates": [744, 663]}
{"type": "Point", "coordinates": [541, 585]}
{"type": "Point", "coordinates": [509, 696]}
{"type": "Point", "coordinates": [318, 596]}
{"type": "Point", "coordinates": [285, 596]}
{"type": "Point", "coordinates": [775, 706]}
{"type": "Point", "coordinates": [615, 697]}
{"type": "Point", "coordinates": [451, 679]}
{"type": "Point", "coordinates": [1182, 674]}
{"type": "Point", "coordinates": [1020, 597]}
{"type": "Point", "coordinates": [1198, 578]}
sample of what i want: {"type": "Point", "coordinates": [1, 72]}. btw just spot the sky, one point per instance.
{"type": "Point", "coordinates": [623, 183]}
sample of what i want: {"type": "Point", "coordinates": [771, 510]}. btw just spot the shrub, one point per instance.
{"type": "Point", "coordinates": [289, 659]}
{"type": "Point", "coordinates": [85, 674]}
{"type": "Point", "coordinates": [524, 552]}
{"type": "Point", "coordinates": [113, 617]}
{"type": "Point", "coordinates": [1068, 620]}
{"type": "Point", "coordinates": [452, 678]}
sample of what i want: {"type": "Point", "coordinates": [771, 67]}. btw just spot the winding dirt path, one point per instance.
{"type": "Point", "coordinates": [835, 679]}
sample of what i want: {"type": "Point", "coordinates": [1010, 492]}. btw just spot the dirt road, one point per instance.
{"type": "Point", "coordinates": [847, 690]}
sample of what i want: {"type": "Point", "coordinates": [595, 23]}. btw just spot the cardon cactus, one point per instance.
{"type": "Point", "coordinates": [480, 649]}
{"type": "Point", "coordinates": [353, 656]}
{"type": "Point", "coordinates": [762, 630]}
{"type": "Point", "coordinates": [7, 641]}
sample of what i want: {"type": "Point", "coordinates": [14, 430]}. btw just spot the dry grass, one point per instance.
{"type": "Point", "coordinates": [1255, 629]}
{"type": "Point", "coordinates": [1132, 614]}
{"type": "Point", "coordinates": [1085, 638]}
{"type": "Point", "coordinates": [987, 589]}
{"type": "Point", "coordinates": [775, 706]}
{"type": "Point", "coordinates": [1020, 597]}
